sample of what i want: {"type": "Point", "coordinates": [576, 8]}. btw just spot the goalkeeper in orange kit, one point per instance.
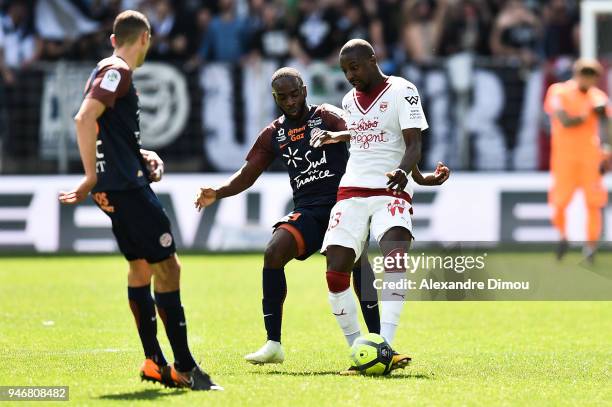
{"type": "Point", "coordinates": [578, 158]}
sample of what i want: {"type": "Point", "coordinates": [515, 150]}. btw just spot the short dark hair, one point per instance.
{"type": "Point", "coordinates": [129, 25]}
{"type": "Point", "coordinates": [587, 67]}
{"type": "Point", "coordinates": [363, 47]}
{"type": "Point", "coordinates": [287, 72]}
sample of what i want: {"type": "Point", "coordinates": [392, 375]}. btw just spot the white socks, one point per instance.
{"type": "Point", "coordinates": [391, 307]}
{"type": "Point", "coordinates": [344, 307]}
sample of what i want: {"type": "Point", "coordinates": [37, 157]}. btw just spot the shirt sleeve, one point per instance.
{"type": "Point", "coordinates": [262, 153]}
{"type": "Point", "coordinates": [333, 117]}
{"type": "Point", "coordinates": [109, 84]}
{"type": "Point", "coordinates": [409, 109]}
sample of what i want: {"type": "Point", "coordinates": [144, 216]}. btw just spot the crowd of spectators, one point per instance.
{"type": "Point", "coordinates": [192, 32]}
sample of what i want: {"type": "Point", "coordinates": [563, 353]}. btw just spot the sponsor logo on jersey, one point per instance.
{"type": "Point", "coordinates": [297, 137]}
{"type": "Point", "coordinates": [413, 100]}
{"type": "Point", "coordinates": [315, 122]}
{"type": "Point", "coordinates": [292, 157]}
{"type": "Point", "coordinates": [384, 106]}
{"type": "Point", "coordinates": [100, 162]}
{"type": "Point", "coordinates": [364, 141]}
{"type": "Point", "coordinates": [297, 130]}
{"type": "Point", "coordinates": [313, 172]}
{"type": "Point", "coordinates": [364, 125]}
{"type": "Point", "coordinates": [280, 135]}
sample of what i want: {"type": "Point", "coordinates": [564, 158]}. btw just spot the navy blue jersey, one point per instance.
{"type": "Point", "coordinates": [314, 173]}
{"type": "Point", "coordinates": [119, 164]}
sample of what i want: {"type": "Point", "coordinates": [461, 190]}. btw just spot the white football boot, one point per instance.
{"type": "Point", "coordinates": [271, 352]}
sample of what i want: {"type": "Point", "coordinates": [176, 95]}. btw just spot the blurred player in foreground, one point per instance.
{"type": "Point", "coordinates": [384, 119]}
{"type": "Point", "coordinates": [577, 160]}
{"type": "Point", "coordinates": [314, 176]}
{"type": "Point", "coordinates": [118, 172]}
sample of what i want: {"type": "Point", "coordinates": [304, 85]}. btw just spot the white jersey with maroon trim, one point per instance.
{"type": "Point", "coordinates": [377, 145]}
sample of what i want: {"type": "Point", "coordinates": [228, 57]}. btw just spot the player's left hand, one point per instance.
{"type": "Point", "coordinates": [398, 180]}
{"type": "Point", "coordinates": [441, 174]}
{"type": "Point", "coordinates": [320, 137]}
{"type": "Point", "coordinates": [79, 193]}
{"type": "Point", "coordinates": [155, 164]}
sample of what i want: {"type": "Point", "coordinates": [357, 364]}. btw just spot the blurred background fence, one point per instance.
{"type": "Point", "coordinates": [482, 67]}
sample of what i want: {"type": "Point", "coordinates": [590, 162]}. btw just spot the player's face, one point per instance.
{"type": "Point", "coordinates": [290, 96]}
{"type": "Point", "coordinates": [585, 82]}
{"type": "Point", "coordinates": [357, 70]}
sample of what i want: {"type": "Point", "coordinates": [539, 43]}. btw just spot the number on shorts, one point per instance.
{"type": "Point", "coordinates": [334, 220]}
{"type": "Point", "coordinates": [102, 201]}
{"type": "Point", "coordinates": [294, 216]}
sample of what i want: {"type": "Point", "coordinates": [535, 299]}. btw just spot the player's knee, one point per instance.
{"type": "Point", "coordinates": [167, 274]}
{"type": "Point", "coordinates": [396, 234]}
{"type": "Point", "coordinates": [139, 273]}
{"type": "Point", "coordinates": [275, 256]}
{"type": "Point", "coordinates": [337, 281]}
{"type": "Point", "coordinates": [340, 258]}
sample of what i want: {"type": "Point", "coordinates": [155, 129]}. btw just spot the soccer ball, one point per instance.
{"type": "Point", "coordinates": [372, 355]}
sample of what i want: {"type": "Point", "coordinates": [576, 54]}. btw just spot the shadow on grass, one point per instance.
{"type": "Point", "coordinates": [146, 394]}
{"type": "Point", "coordinates": [396, 376]}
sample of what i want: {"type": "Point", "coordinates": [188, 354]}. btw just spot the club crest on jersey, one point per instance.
{"type": "Point", "coordinates": [165, 240]}
{"type": "Point", "coordinates": [280, 135]}
{"type": "Point", "coordinates": [398, 205]}
{"type": "Point", "coordinates": [383, 106]}
{"type": "Point", "coordinates": [315, 122]}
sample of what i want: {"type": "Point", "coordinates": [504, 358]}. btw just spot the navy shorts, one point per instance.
{"type": "Point", "coordinates": [308, 226]}
{"type": "Point", "coordinates": [140, 223]}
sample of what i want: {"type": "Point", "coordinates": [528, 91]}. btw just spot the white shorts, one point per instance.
{"type": "Point", "coordinates": [351, 220]}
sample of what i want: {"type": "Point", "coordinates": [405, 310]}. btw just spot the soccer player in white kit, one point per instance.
{"type": "Point", "coordinates": [384, 119]}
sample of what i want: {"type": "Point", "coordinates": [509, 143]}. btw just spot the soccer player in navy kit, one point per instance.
{"type": "Point", "coordinates": [117, 173]}
{"type": "Point", "coordinates": [314, 176]}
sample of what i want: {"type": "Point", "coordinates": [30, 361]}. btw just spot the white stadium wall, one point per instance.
{"type": "Point", "coordinates": [504, 207]}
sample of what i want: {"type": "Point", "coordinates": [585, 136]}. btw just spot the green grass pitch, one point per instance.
{"type": "Point", "coordinates": [465, 353]}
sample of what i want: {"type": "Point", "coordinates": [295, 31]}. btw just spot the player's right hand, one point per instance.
{"type": "Point", "coordinates": [79, 193]}
{"type": "Point", "coordinates": [206, 197]}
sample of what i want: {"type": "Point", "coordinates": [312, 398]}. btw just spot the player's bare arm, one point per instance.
{"type": "Point", "coordinates": [569, 121]}
{"type": "Point", "coordinates": [606, 131]}
{"type": "Point", "coordinates": [86, 129]}
{"type": "Point", "coordinates": [398, 178]}
{"type": "Point", "coordinates": [438, 177]}
{"type": "Point", "coordinates": [320, 137]}
{"type": "Point", "coordinates": [155, 164]}
{"type": "Point", "coordinates": [242, 180]}
{"type": "Point", "coordinates": [606, 126]}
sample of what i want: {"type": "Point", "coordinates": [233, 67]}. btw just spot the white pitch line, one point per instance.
{"type": "Point", "coordinates": [68, 352]}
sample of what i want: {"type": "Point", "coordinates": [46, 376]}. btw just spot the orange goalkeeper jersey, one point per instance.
{"type": "Point", "coordinates": [580, 141]}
